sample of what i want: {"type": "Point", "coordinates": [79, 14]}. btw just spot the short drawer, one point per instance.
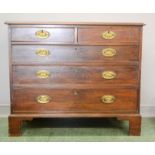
{"type": "Point", "coordinates": [63, 100]}
{"type": "Point", "coordinates": [41, 54]}
{"type": "Point", "coordinates": [102, 35]}
{"type": "Point", "coordinates": [56, 35]}
{"type": "Point", "coordinates": [81, 75]}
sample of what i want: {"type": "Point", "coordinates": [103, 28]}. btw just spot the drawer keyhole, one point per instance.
{"type": "Point", "coordinates": [75, 93]}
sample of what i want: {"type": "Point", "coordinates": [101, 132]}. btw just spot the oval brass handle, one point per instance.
{"type": "Point", "coordinates": [42, 52]}
{"type": "Point", "coordinates": [42, 34]}
{"type": "Point", "coordinates": [108, 98]}
{"type": "Point", "coordinates": [109, 52]}
{"type": "Point", "coordinates": [43, 74]}
{"type": "Point", "coordinates": [108, 75]}
{"type": "Point", "coordinates": [43, 99]}
{"type": "Point", "coordinates": [108, 35]}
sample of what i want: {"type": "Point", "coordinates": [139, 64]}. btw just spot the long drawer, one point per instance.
{"type": "Point", "coordinates": [51, 75]}
{"type": "Point", "coordinates": [57, 35]}
{"type": "Point", "coordinates": [41, 54]}
{"type": "Point", "coordinates": [62, 100]}
{"type": "Point", "coordinates": [102, 35]}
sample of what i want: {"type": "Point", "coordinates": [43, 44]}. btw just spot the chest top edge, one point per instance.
{"type": "Point", "coordinates": [75, 23]}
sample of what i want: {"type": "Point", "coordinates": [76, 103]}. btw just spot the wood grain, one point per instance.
{"type": "Point", "coordinates": [75, 64]}
{"type": "Point", "coordinates": [26, 54]}
{"type": "Point", "coordinates": [24, 100]}
{"type": "Point", "coordinates": [127, 35]}
{"type": "Point", "coordinates": [75, 75]}
{"type": "Point", "coordinates": [55, 34]}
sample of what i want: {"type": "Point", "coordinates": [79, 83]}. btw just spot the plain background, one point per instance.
{"type": "Point", "coordinates": [148, 61]}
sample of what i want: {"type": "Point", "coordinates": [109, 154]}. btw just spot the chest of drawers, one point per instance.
{"type": "Point", "coordinates": [75, 70]}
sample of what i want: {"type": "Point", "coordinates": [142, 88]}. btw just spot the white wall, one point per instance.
{"type": "Point", "coordinates": [148, 58]}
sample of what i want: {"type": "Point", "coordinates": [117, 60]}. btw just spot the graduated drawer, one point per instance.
{"type": "Point", "coordinates": [56, 35]}
{"type": "Point", "coordinates": [41, 54]}
{"type": "Point", "coordinates": [109, 34]}
{"type": "Point", "coordinates": [33, 100]}
{"type": "Point", "coordinates": [84, 75]}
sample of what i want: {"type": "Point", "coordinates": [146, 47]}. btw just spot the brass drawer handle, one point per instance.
{"type": "Point", "coordinates": [108, 35]}
{"type": "Point", "coordinates": [108, 98]}
{"type": "Point", "coordinates": [43, 74]}
{"type": "Point", "coordinates": [109, 52]}
{"type": "Point", "coordinates": [43, 99]}
{"type": "Point", "coordinates": [42, 52]}
{"type": "Point", "coordinates": [108, 75]}
{"type": "Point", "coordinates": [42, 34]}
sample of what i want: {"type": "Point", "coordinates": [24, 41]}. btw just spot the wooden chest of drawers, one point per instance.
{"type": "Point", "coordinates": [75, 70]}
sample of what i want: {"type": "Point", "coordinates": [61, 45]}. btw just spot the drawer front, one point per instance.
{"type": "Point", "coordinates": [41, 54]}
{"type": "Point", "coordinates": [109, 34]}
{"type": "Point", "coordinates": [60, 100]}
{"type": "Point", "coordinates": [84, 75]}
{"type": "Point", "coordinates": [57, 35]}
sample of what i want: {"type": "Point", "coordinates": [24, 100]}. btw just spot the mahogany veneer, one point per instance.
{"type": "Point", "coordinates": [75, 70]}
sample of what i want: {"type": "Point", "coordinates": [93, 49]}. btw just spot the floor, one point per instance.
{"type": "Point", "coordinates": [78, 130]}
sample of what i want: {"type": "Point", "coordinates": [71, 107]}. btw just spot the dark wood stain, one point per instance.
{"type": "Point", "coordinates": [75, 64]}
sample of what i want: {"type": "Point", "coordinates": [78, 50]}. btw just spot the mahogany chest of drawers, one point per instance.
{"type": "Point", "coordinates": [75, 70]}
